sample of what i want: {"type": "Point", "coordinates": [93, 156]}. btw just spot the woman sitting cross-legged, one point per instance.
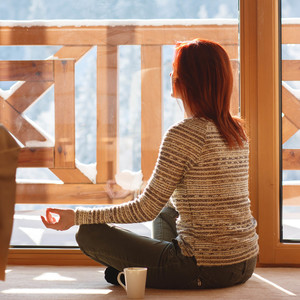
{"type": "Point", "coordinates": [204, 232]}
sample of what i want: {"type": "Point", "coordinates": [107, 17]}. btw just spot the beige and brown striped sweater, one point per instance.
{"type": "Point", "coordinates": [208, 183]}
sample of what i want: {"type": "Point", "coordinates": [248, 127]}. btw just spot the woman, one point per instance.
{"type": "Point", "coordinates": [200, 181]}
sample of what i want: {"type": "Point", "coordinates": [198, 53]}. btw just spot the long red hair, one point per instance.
{"type": "Point", "coordinates": [204, 80]}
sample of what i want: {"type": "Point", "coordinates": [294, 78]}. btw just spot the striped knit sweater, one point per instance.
{"type": "Point", "coordinates": [208, 183]}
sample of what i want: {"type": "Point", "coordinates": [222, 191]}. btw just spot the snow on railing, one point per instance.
{"type": "Point", "coordinates": [113, 23]}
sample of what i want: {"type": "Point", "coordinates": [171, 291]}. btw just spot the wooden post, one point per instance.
{"type": "Point", "coordinates": [268, 133]}
{"type": "Point", "coordinates": [64, 113]}
{"type": "Point", "coordinates": [235, 97]}
{"type": "Point", "coordinates": [248, 71]}
{"type": "Point", "coordinates": [107, 112]}
{"type": "Point", "coordinates": [151, 108]}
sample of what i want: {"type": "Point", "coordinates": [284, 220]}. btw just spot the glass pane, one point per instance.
{"type": "Point", "coordinates": [28, 230]}
{"type": "Point", "coordinates": [119, 9]}
{"type": "Point", "coordinates": [290, 50]}
{"type": "Point", "coordinates": [128, 69]}
{"type": "Point", "coordinates": [129, 94]}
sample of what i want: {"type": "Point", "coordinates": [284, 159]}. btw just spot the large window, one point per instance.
{"type": "Point", "coordinates": [122, 103]}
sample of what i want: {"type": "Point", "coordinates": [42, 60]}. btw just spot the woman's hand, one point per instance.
{"type": "Point", "coordinates": [65, 221]}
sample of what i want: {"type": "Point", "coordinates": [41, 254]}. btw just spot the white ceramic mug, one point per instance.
{"type": "Point", "coordinates": [135, 282]}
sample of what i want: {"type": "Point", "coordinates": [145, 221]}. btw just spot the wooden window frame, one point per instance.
{"type": "Point", "coordinates": [260, 96]}
{"type": "Point", "coordinates": [259, 90]}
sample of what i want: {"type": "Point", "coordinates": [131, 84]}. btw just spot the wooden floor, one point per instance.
{"type": "Point", "coordinates": [44, 282]}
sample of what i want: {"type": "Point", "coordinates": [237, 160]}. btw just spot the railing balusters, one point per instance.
{"type": "Point", "coordinates": [76, 42]}
{"type": "Point", "coordinates": [23, 130]}
{"type": "Point", "coordinates": [291, 110]}
{"type": "Point", "coordinates": [27, 94]}
{"type": "Point", "coordinates": [76, 52]}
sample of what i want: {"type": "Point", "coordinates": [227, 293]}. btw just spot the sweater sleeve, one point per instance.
{"type": "Point", "coordinates": [177, 153]}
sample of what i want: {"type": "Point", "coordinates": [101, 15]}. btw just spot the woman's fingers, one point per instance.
{"type": "Point", "coordinates": [44, 221]}
{"type": "Point", "coordinates": [50, 217]}
{"type": "Point", "coordinates": [64, 222]}
{"type": "Point", "coordinates": [56, 226]}
{"type": "Point", "coordinates": [47, 223]}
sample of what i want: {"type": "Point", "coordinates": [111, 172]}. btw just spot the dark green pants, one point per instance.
{"type": "Point", "coordinates": [167, 267]}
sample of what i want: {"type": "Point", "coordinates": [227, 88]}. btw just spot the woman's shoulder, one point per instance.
{"type": "Point", "coordinates": [189, 130]}
{"type": "Point", "coordinates": [190, 124]}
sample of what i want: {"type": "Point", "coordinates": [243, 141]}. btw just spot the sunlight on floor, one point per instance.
{"type": "Point", "coordinates": [53, 277]}
{"type": "Point", "coordinates": [274, 285]}
{"type": "Point", "coordinates": [58, 291]}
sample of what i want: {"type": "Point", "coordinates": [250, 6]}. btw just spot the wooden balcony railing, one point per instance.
{"type": "Point", "coordinates": [76, 41]}
{"type": "Point", "coordinates": [291, 111]}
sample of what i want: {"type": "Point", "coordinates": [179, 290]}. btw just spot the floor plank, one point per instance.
{"type": "Point", "coordinates": [61, 283]}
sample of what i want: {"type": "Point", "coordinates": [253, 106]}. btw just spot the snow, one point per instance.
{"type": "Point", "coordinates": [290, 20]}
{"type": "Point", "coordinates": [5, 94]}
{"type": "Point", "coordinates": [129, 180]}
{"type": "Point", "coordinates": [34, 234]}
{"type": "Point", "coordinates": [48, 142]}
{"type": "Point", "coordinates": [126, 22]}
{"type": "Point", "coordinates": [291, 182]}
{"type": "Point", "coordinates": [129, 22]}
{"type": "Point", "coordinates": [89, 170]}
{"type": "Point", "coordinates": [38, 144]}
{"type": "Point", "coordinates": [37, 181]}
{"type": "Point", "coordinates": [295, 92]}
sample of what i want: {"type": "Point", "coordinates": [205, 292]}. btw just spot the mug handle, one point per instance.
{"type": "Point", "coordinates": [119, 280]}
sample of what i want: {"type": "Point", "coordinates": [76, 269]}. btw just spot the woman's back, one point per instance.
{"type": "Point", "coordinates": [215, 224]}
